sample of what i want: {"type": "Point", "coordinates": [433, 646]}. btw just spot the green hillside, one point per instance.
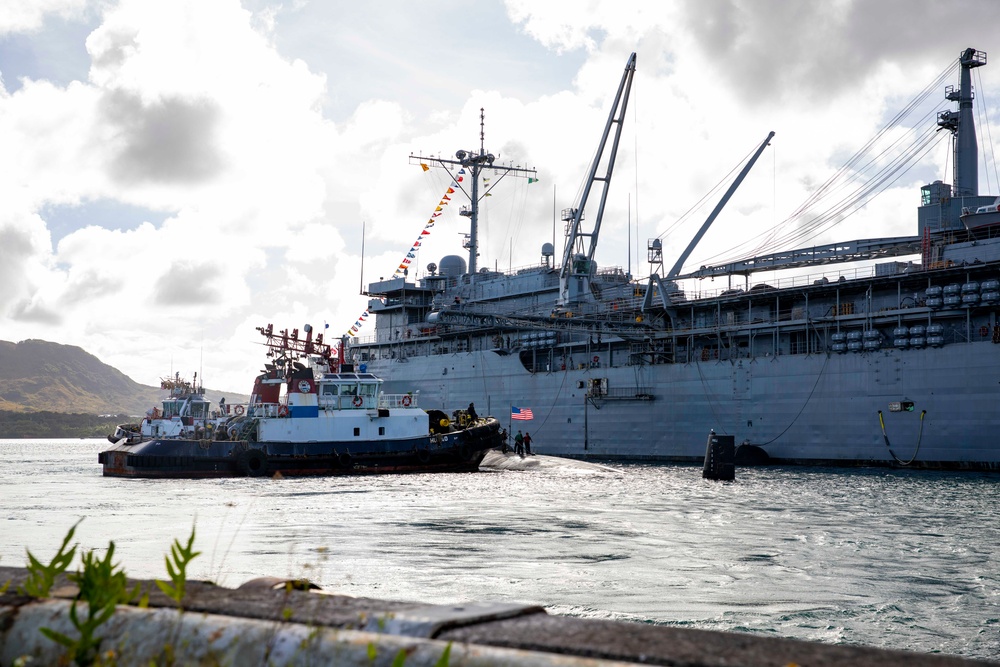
{"type": "Point", "coordinates": [40, 377]}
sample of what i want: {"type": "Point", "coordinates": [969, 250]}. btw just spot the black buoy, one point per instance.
{"type": "Point", "coordinates": [720, 457]}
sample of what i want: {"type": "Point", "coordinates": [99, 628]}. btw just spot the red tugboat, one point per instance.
{"type": "Point", "coordinates": [309, 414]}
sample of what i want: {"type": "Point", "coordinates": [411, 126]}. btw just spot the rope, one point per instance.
{"type": "Point", "coordinates": [920, 436]}
{"type": "Point", "coordinates": [802, 409]}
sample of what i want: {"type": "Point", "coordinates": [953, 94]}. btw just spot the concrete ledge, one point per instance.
{"type": "Point", "coordinates": [259, 625]}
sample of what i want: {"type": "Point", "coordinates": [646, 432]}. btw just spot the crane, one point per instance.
{"type": "Point", "coordinates": [578, 266]}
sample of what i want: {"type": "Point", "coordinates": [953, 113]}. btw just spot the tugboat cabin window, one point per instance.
{"type": "Point", "coordinates": [357, 431]}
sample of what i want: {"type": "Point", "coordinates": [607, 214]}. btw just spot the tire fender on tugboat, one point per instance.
{"type": "Point", "coordinates": [252, 462]}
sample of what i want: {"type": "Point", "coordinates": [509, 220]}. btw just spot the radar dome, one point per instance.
{"type": "Point", "coordinates": [547, 250]}
{"type": "Point", "coordinates": [452, 265]}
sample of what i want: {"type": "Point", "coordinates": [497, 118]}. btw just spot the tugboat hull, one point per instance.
{"type": "Point", "coordinates": [460, 451]}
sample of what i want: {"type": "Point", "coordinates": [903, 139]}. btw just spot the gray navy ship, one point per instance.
{"type": "Point", "coordinates": [893, 364]}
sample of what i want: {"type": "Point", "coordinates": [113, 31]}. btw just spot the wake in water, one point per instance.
{"type": "Point", "coordinates": [495, 460]}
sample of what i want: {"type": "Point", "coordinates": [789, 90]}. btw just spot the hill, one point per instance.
{"type": "Point", "coordinates": [36, 376]}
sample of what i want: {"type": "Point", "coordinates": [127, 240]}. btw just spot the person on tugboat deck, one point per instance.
{"type": "Point", "coordinates": [472, 412]}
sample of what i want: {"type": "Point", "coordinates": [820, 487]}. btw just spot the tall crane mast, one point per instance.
{"type": "Point", "coordinates": [578, 266]}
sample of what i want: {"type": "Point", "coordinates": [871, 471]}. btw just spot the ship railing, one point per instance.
{"type": "Point", "coordinates": [389, 401]}
{"type": "Point", "coordinates": [264, 410]}
{"type": "Point", "coordinates": [347, 401]}
{"type": "Point", "coordinates": [693, 289]}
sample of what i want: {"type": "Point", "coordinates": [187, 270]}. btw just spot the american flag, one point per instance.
{"type": "Point", "coordinates": [521, 413]}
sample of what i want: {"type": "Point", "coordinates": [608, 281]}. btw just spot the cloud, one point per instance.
{"type": "Point", "coordinates": [18, 249]}
{"type": "Point", "coordinates": [28, 16]}
{"type": "Point", "coordinates": [188, 284]}
{"type": "Point", "coordinates": [167, 141]}
{"type": "Point", "coordinates": [267, 137]}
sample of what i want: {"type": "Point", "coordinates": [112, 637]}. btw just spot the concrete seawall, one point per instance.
{"type": "Point", "coordinates": [258, 625]}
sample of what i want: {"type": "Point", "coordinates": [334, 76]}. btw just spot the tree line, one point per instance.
{"type": "Point", "coordinates": [45, 424]}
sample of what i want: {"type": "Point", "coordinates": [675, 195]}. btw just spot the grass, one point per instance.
{"type": "Point", "coordinates": [102, 585]}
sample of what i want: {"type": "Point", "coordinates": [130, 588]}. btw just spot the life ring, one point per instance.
{"type": "Point", "coordinates": [597, 359]}
{"type": "Point", "coordinates": [282, 410]}
{"type": "Point", "coordinates": [357, 401]}
{"type": "Point", "coordinates": [252, 462]}
{"type": "Point", "coordinates": [406, 401]}
{"type": "Point", "coordinates": [984, 331]}
{"type": "Point", "coordinates": [238, 410]}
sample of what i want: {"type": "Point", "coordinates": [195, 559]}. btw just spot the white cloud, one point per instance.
{"type": "Point", "coordinates": [18, 17]}
{"type": "Point", "coordinates": [220, 115]}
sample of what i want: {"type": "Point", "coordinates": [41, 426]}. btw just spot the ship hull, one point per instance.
{"type": "Point", "coordinates": [459, 451]}
{"type": "Point", "coordinates": [927, 408]}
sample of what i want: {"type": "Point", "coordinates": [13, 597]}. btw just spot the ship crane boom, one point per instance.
{"type": "Point", "coordinates": [578, 267]}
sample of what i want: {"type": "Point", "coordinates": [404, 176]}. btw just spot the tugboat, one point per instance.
{"type": "Point", "coordinates": [309, 414]}
{"type": "Point", "coordinates": [186, 413]}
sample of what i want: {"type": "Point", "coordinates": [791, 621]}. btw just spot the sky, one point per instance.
{"type": "Point", "coordinates": [174, 175]}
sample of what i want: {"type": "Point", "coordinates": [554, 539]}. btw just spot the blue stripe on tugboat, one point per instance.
{"type": "Point", "coordinates": [309, 414]}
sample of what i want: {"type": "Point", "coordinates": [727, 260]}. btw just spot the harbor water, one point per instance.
{"type": "Point", "coordinates": [890, 558]}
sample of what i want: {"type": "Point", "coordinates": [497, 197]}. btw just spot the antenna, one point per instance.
{"type": "Point", "coordinates": [630, 235]}
{"type": "Point", "coordinates": [361, 286]}
{"type": "Point", "coordinates": [472, 164]}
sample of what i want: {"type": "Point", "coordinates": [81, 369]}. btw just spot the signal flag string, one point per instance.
{"type": "Point", "coordinates": [403, 267]}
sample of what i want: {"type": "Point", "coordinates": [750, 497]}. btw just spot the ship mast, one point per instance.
{"type": "Point", "coordinates": [473, 163]}
{"type": "Point", "coordinates": [962, 126]}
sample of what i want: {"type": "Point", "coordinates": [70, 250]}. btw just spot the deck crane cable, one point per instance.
{"type": "Point", "coordinates": [842, 209]}
{"type": "Point", "coordinates": [711, 195]}
{"type": "Point", "coordinates": [984, 121]}
{"type": "Point", "coordinates": [864, 193]}
{"type": "Point", "coordinates": [843, 177]}
{"type": "Point", "coordinates": [853, 171]}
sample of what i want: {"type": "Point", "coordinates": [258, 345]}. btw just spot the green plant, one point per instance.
{"type": "Point", "coordinates": [41, 577]}
{"type": "Point", "coordinates": [182, 555]}
{"type": "Point", "coordinates": [102, 585]}
{"type": "Point", "coordinates": [400, 658]}
{"type": "Point", "coordinates": [445, 657]}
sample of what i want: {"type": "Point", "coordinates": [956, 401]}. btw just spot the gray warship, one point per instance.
{"type": "Point", "coordinates": [896, 363]}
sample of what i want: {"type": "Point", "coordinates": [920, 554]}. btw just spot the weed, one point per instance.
{"type": "Point", "coordinates": [400, 658]}
{"type": "Point", "coordinates": [41, 577]}
{"type": "Point", "coordinates": [445, 657]}
{"type": "Point", "coordinates": [182, 556]}
{"type": "Point", "coordinates": [102, 585]}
